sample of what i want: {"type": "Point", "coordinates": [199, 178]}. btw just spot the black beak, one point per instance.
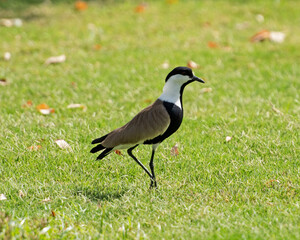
{"type": "Point", "coordinates": [197, 79]}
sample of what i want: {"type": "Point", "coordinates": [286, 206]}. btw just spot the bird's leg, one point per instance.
{"type": "Point", "coordinates": [129, 151]}
{"type": "Point", "coordinates": [153, 180]}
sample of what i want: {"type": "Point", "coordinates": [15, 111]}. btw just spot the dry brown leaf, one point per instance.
{"type": "Point", "coordinates": [165, 65]}
{"type": "Point", "coordinates": [53, 213]}
{"type": "Point", "coordinates": [6, 22]}
{"type": "Point", "coordinates": [260, 18]}
{"type": "Point", "coordinates": [45, 109]}
{"type": "Point", "coordinates": [172, 1]}
{"type": "Point", "coordinates": [212, 45]}
{"type": "Point", "coordinates": [56, 59]}
{"type": "Point", "coordinates": [191, 64]}
{"type": "Point", "coordinates": [277, 37]}
{"type": "Point", "coordinates": [118, 152]}
{"type": "Point", "coordinates": [74, 84]}
{"type": "Point", "coordinates": [21, 194]}
{"type": "Point", "coordinates": [260, 36]}
{"type": "Point", "coordinates": [27, 104]}
{"type": "Point", "coordinates": [80, 5]}
{"type": "Point", "coordinates": [227, 48]}
{"type": "Point", "coordinates": [147, 101]}
{"type": "Point", "coordinates": [97, 47]}
{"type": "Point", "coordinates": [242, 25]}
{"type": "Point", "coordinates": [174, 150]}
{"type": "Point", "coordinates": [46, 200]}
{"type": "Point", "coordinates": [62, 144]}
{"type": "Point", "coordinates": [206, 24]}
{"type": "Point", "coordinates": [35, 147]}
{"type": "Point", "coordinates": [2, 197]}
{"type": "Point", "coordinates": [140, 8]}
{"type": "Point", "coordinates": [206, 90]}
{"type": "Point", "coordinates": [7, 56]}
{"type": "Point", "coordinates": [275, 109]}
{"type": "Point", "coordinates": [228, 138]}
{"type": "Point", "coordinates": [77, 105]}
{"type": "Point", "coordinates": [3, 82]}
{"type": "Point", "coordinates": [271, 182]}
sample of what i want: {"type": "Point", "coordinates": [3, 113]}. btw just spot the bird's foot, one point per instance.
{"type": "Point", "coordinates": [153, 183]}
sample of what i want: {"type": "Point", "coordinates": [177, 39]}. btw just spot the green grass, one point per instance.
{"type": "Point", "coordinates": [247, 188]}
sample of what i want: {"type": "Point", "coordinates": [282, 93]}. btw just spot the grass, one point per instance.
{"type": "Point", "coordinates": [247, 188]}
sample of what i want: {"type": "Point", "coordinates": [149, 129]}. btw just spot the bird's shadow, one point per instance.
{"type": "Point", "coordinates": [99, 194]}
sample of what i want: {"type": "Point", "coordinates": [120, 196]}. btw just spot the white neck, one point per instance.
{"type": "Point", "coordinates": [171, 93]}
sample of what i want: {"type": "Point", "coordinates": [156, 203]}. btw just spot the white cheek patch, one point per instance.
{"type": "Point", "coordinates": [171, 92]}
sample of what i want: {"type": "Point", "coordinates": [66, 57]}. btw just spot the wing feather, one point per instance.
{"type": "Point", "coordinates": [148, 124]}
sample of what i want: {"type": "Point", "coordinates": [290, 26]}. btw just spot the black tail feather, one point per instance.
{"type": "Point", "coordinates": [104, 153]}
{"type": "Point", "coordinates": [99, 140]}
{"type": "Point", "coordinates": [97, 148]}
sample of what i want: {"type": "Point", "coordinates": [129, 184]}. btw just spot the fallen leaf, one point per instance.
{"type": "Point", "coordinates": [27, 104]}
{"type": "Point", "coordinates": [3, 82]}
{"type": "Point", "coordinates": [46, 200]}
{"type": "Point", "coordinates": [21, 194]}
{"type": "Point", "coordinates": [271, 182]}
{"type": "Point", "coordinates": [80, 5]}
{"type": "Point", "coordinates": [147, 101]}
{"type": "Point", "coordinates": [56, 59]}
{"type": "Point", "coordinates": [172, 1]}
{"type": "Point", "coordinates": [191, 64]}
{"type": "Point", "coordinates": [206, 24]}
{"type": "Point", "coordinates": [260, 18]}
{"type": "Point", "coordinates": [242, 25]}
{"type": "Point", "coordinates": [2, 197]}
{"type": "Point", "coordinates": [275, 109]}
{"type": "Point", "coordinates": [45, 230]}
{"type": "Point", "coordinates": [42, 106]}
{"type": "Point", "coordinates": [45, 109]}
{"type": "Point", "coordinates": [277, 37]}
{"type": "Point", "coordinates": [77, 105]}
{"type": "Point", "coordinates": [17, 22]}
{"type": "Point", "coordinates": [7, 56]}
{"type": "Point", "coordinates": [53, 213]}
{"type": "Point", "coordinates": [97, 47]}
{"type": "Point", "coordinates": [228, 138]}
{"type": "Point", "coordinates": [74, 84]}
{"type": "Point", "coordinates": [6, 22]}
{"type": "Point", "coordinates": [62, 144]}
{"type": "Point", "coordinates": [165, 65]}
{"type": "Point", "coordinates": [140, 8]}
{"type": "Point", "coordinates": [174, 150]}
{"type": "Point", "coordinates": [260, 36]}
{"type": "Point", "coordinates": [35, 148]}
{"type": "Point", "coordinates": [205, 90]}
{"type": "Point", "coordinates": [212, 45]}
{"type": "Point", "coordinates": [118, 152]}
{"type": "Point", "coordinates": [227, 48]}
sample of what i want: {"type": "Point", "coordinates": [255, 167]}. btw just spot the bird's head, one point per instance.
{"type": "Point", "coordinates": [182, 76]}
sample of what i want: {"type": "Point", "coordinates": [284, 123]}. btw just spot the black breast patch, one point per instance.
{"type": "Point", "coordinates": [176, 115]}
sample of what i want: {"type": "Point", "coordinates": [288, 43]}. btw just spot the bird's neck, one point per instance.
{"type": "Point", "coordinates": [172, 93]}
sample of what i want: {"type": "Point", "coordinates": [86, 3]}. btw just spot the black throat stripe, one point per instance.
{"type": "Point", "coordinates": [176, 115]}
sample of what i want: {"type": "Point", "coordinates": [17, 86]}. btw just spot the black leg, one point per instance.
{"type": "Point", "coordinates": [153, 180]}
{"type": "Point", "coordinates": [129, 151]}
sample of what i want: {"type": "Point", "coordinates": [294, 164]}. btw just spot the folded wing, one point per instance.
{"type": "Point", "coordinates": [151, 122]}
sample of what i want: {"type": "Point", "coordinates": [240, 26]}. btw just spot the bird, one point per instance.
{"type": "Point", "coordinates": [152, 125]}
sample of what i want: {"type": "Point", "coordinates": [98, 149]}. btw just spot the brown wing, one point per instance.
{"type": "Point", "coordinates": [148, 124]}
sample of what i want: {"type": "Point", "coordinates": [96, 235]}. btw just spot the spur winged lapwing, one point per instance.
{"type": "Point", "coordinates": [153, 124]}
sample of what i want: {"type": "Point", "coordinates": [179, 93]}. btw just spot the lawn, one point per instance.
{"type": "Point", "coordinates": [245, 188]}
